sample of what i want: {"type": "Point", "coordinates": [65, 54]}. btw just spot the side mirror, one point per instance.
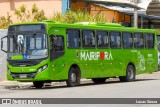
{"type": "Point", "coordinates": [2, 44]}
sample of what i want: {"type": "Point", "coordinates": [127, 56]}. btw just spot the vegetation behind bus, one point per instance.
{"type": "Point", "coordinates": [36, 15]}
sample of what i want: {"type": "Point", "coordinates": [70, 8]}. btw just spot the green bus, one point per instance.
{"type": "Point", "coordinates": [47, 51]}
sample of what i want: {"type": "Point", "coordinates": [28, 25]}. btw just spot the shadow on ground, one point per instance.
{"type": "Point", "coordinates": [84, 84]}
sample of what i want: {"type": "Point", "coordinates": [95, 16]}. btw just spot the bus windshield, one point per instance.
{"type": "Point", "coordinates": [27, 46]}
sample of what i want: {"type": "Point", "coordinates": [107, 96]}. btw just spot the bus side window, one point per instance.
{"type": "Point", "coordinates": [127, 40]}
{"type": "Point", "coordinates": [88, 39]}
{"type": "Point", "coordinates": [115, 39]}
{"type": "Point", "coordinates": [73, 38]}
{"type": "Point", "coordinates": [138, 40]}
{"type": "Point", "coordinates": [57, 43]}
{"type": "Point", "coordinates": [149, 41]}
{"type": "Point", "coordinates": [102, 39]}
{"type": "Point", "coordinates": [57, 47]}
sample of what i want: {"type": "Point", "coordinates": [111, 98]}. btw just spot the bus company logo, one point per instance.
{"type": "Point", "coordinates": [21, 101]}
{"type": "Point", "coordinates": [6, 101]}
{"type": "Point", "coordinates": [84, 55]}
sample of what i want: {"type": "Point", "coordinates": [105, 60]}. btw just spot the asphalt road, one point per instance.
{"type": "Point", "coordinates": [145, 86]}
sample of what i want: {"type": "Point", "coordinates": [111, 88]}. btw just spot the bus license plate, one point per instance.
{"type": "Point", "coordinates": [23, 76]}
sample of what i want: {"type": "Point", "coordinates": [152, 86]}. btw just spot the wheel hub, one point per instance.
{"type": "Point", "coordinates": [73, 77]}
{"type": "Point", "coordinates": [130, 73]}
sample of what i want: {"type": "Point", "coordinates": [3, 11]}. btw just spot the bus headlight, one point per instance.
{"type": "Point", "coordinates": [42, 68]}
{"type": "Point", "coordinates": [39, 70]}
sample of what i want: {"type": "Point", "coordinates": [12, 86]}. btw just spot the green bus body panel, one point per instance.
{"type": "Point", "coordinates": [93, 63]}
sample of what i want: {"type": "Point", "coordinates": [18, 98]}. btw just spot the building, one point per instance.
{"type": "Point", "coordinates": [52, 6]}
{"type": "Point", "coordinates": [99, 8]}
{"type": "Point", "coordinates": [154, 8]}
{"type": "Point", "coordinates": [122, 13]}
{"type": "Point", "coordinates": [49, 6]}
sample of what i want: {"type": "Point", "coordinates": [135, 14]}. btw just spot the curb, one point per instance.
{"type": "Point", "coordinates": [16, 84]}
{"type": "Point", "coordinates": [13, 84]}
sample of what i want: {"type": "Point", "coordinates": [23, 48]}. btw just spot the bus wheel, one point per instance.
{"type": "Point", "coordinates": [99, 80]}
{"type": "Point", "coordinates": [130, 74]}
{"type": "Point", "coordinates": [38, 84]}
{"type": "Point", "coordinates": [72, 77]}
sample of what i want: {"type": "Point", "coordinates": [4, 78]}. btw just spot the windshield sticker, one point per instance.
{"type": "Point", "coordinates": [84, 55]}
{"type": "Point", "coordinates": [24, 56]}
{"type": "Point", "coordinates": [20, 39]}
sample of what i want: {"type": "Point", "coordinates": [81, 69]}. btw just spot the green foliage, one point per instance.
{"type": "Point", "coordinates": [37, 15]}
{"type": "Point", "coordinates": [34, 9]}
{"type": "Point", "coordinates": [99, 18]}
{"type": "Point", "coordinates": [5, 21]}
{"type": "Point", "coordinates": [78, 16]}
{"type": "Point", "coordinates": [24, 15]}
{"type": "Point", "coordinates": [58, 17]}
{"type": "Point", "coordinates": [69, 17]}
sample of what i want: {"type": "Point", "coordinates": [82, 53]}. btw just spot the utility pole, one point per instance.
{"type": "Point", "coordinates": [136, 14]}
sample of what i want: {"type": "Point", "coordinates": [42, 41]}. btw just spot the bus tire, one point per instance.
{"type": "Point", "coordinates": [38, 84]}
{"type": "Point", "coordinates": [130, 74]}
{"type": "Point", "coordinates": [72, 77]}
{"type": "Point", "coordinates": [98, 80]}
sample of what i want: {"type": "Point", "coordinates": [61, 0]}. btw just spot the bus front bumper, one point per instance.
{"type": "Point", "coordinates": [28, 77]}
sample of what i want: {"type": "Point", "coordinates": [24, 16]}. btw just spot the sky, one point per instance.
{"type": "Point", "coordinates": [144, 3]}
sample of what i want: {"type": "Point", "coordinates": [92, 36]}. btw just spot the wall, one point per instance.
{"type": "Point", "coordinates": [3, 57]}
{"type": "Point", "coordinates": [94, 9]}
{"type": "Point", "coordinates": [49, 6]}
{"type": "Point", "coordinates": [111, 15]}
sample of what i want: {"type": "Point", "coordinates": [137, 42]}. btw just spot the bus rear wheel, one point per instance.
{"type": "Point", "coordinates": [38, 84]}
{"type": "Point", "coordinates": [72, 77]}
{"type": "Point", "coordinates": [130, 74]}
{"type": "Point", "coordinates": [99, 80]}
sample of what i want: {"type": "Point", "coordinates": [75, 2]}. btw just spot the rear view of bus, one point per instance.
{"type": "Point", "coordinates": [27, 53]}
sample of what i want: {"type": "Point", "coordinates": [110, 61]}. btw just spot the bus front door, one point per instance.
{"type": "Point", "coordinates": [56, 56]}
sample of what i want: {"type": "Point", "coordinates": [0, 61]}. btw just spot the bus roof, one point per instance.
{"type": "Point", "coordinates": [50, 23]}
